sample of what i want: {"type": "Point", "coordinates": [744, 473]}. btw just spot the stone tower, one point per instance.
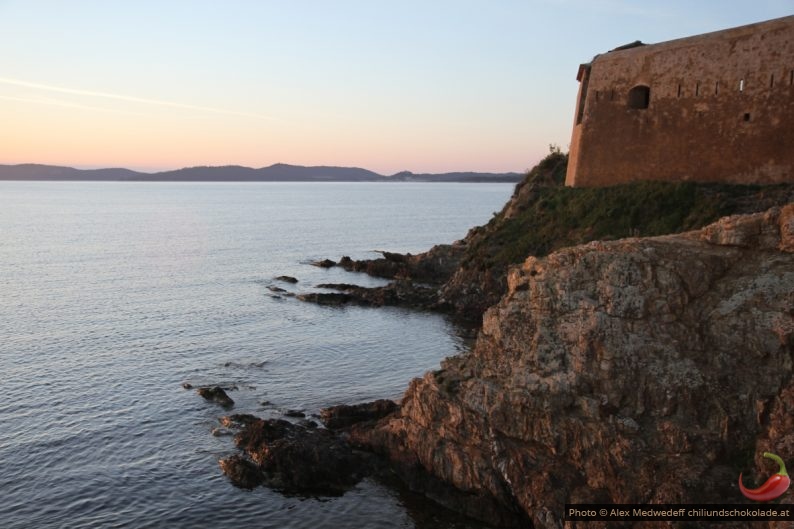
{"type": "Point", "coordinates": [717, 107]}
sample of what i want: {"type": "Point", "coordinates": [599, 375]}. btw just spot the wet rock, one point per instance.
{"type": "Point", "coordinates": [343, 416]}
{"type": "Point", "coordinates": [216, 394]}
{"type": "Point", "coordinates": [221, 432]}
{"type": "Point", "coordinates": [238, 420]}
{"type": "Point", "coordinates": [297, 414]}
{"type": "Point", "coordinates": [259, 433]}
{"type": "Point", "coordinates": [432, 267]}
{"type": "Point", "coordinates": [287, 279]}
{"type": "Point", "coordinates": [276, 289]}
{"type": "Point", "coordinates": [242, 472]}
{"type": "Point", "coordinates": [294, 459]}
{"type": "Point", "coordinates": [322, 298]}
{"type": "Point", "coordinates": [397, 293]}
{"type": "Point", "coordinates": [325, 263]}
{"type": "Point", "coordinates": [187, 385]}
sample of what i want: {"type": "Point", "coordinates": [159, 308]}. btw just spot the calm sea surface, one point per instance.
{"type": "Point", "coordinates": [114, 294]}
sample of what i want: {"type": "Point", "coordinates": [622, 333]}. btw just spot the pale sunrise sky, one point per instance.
{"type": "Point", "coordinates": [425, 86]}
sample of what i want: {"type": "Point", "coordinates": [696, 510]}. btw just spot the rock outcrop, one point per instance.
{"type": "Point", "coordinates": [344, 416]}
{"type": "Point", "coordinates": [291, 458]}
{"type": "Point", "coordinates": [542, 216]}
{"type": "Point", "coordinates": [216, 394]}
{"type": "Point", "coordinates": [397, 293]}
{"type": "Point", "coordinates": [434, 266]}
{"type": "Point", "coordinates": [632, 371]}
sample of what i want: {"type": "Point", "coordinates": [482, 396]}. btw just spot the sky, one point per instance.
{"type": "Point", "coordinates": [424, 86]}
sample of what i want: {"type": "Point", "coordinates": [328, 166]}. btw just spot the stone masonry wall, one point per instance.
{"type": "Point", "coordinates": [720, 109]}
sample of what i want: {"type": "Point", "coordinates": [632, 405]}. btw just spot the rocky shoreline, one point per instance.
{"type": "Point", "coordinates": [635, 371]}
{"type": "Point", "coordinates": [644, 370]}
{"type": "Point", "coordinates": [638, 370]}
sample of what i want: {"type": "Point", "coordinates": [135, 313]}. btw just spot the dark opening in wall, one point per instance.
{"type": "Point", "coordinates": [697, 88]}
{"type": "Point", "coordinates": [716, 88]}
{"type": "Point", "coordinates": [791, 77]}
{"type": "Point", "coordinates": [772, 81]}
{"type": "Point", "coordinates": [747, 116]}
{"type": "Point", "coordinates": [741, 85]}
{"type": "Point", "coordinates": [639, 97]}
{"type": "Point", "coordinates": [679, 90]}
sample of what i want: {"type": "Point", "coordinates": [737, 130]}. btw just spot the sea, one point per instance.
{"type": "Point", "coordinates": [115, 294]}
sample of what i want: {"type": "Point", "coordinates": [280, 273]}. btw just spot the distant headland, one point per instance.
{"type": "Point", "coordinates": [234, 173]}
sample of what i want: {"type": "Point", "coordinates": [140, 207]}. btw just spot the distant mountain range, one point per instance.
{"type": "Point", "coordinates": [234, 173]}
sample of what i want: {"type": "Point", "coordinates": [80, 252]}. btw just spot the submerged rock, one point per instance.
{"type": "Point", "coordinates": [216, 394]}
{"type": "Point", "coordinates": [287, 279]}
{"type": "Point", "coordinates": [221, 432]}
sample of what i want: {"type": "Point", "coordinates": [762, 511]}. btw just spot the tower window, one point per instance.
{"type": "Point", "coordinates": [639, 97]}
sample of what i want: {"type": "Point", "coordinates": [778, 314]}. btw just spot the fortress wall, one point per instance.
{"type": "Point", "coordinates": [720, 109]}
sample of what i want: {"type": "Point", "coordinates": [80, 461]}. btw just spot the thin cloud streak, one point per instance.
{"type": "Point", "coordinates": [131, 99]}
{"type": "Point", "coordinates": [59, 103]}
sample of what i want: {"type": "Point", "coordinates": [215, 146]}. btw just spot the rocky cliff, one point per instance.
{"type": "Point", "coordinates": [543, 216]}
{"type": "Point", "coordinates": [632, 371]}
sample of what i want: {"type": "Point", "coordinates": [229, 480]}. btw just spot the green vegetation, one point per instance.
{"type": "Point", "coordinates": [544, 215]}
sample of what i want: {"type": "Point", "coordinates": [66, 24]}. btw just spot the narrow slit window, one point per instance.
{"type": "Point", "coordinates": [597, 95]}
{"type": "Point", "coordinates": [697, 88]}
{"type": "Point", "coordinates": [612, 95]}
{"type": "Point", "coordinates": [747, 116]}
{"type": "Point", "coordinates": [716, 88]}
{"type": "Point", "coordinates": [679, 90]}
{"type": "Point", "coordinates": [772, 81]}
{"type": "Point", "coordinates": [741, 85]}
{"type": "Point", "coordinates": [791, 77]}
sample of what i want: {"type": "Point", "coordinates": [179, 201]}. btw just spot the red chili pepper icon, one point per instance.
{"type": "Point", "coordinates": [774, 487]}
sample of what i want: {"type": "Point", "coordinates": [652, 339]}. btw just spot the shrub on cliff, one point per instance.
{"type": "Point", "coordinates": [543, 216]}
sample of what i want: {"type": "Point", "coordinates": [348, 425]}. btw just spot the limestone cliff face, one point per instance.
{"type": "Point", "coordinates": [631, 371]}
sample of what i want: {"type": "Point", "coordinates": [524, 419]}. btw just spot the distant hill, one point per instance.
{"type": "Point", "coordinates": [234, 173]}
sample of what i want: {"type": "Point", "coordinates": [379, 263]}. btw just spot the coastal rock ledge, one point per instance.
{"type": "Point", "coordinates": [633, 371]}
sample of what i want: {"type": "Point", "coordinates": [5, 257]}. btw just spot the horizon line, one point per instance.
{"type": "Point", "coordinates": [231, 165]}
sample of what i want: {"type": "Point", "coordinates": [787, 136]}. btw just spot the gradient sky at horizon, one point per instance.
{"type": "Point", "coordinates": [425, 86]}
